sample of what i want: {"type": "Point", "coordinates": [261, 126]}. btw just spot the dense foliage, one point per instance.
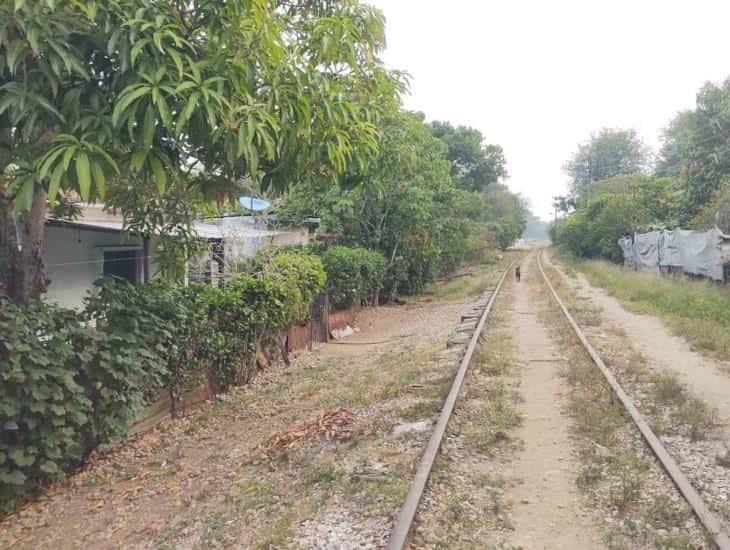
{"type": "Point", "coordinates": [152, 106]}
{"type": "Point", "coordinates": [618, 205]}
{"type": "Point", "coordinates": [45, 409]}
{"type": "Point", "coordinates": [474, 165]}
{"type": "Point", "coordinates": [68, 384]}
{"type": "Point", "coordinates": [690, 185]}
{"type": "Point", "coordinates": [355, 276]}
{"type": "Point", "coordinates": [425, 204]}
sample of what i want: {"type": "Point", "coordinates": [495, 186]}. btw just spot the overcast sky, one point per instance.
{"type": "Point", "coordinates": [538, 77]}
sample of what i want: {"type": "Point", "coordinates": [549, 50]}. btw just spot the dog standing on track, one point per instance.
{"type": "Point", "coordinates": [518, 275]}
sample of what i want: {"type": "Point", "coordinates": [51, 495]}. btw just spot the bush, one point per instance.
{"type": "Point", "coordinates": [305, 277]}
{"type": "Point", "coordinates": [595, 230]}
{"type": "Point", "coordinates": [127, 359]}
{"type": "Point", "coordinates": [414, 267]}
{"type": "Point", "coordinates": [355, 276]}
{"type": "Point", "coordinates": [66, 386]}
{"type": "Point", "coordinates": [44, 408]}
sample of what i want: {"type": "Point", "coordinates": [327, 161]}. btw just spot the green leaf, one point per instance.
{"type": "Point", "coordinates": [49, 467]}
{"type": "Point", "coordinates": [19, 4]}
{"type": "Point", "coordinates": [14, 477]}
{"type": "Point", "coordinates": [159, 174]}
{"type": "Point", "coordinates": [126, 98]}
{"type": "Point", "coordinates": [68, 155]}
{"type": "Point", "coordinates": [55, 181]}
{"type": "Point", "coordinates": [32, 36]}
{"type": "Point", "coordinates": [21, 458]}
{"type": "Point", "coordinates": [15, 52]}
{"type": "Point", "coordinates": [137, 49]}
{"type": "Point", "coordinates": [187, 112]}
{"type": "Point", "coordinates": [47, 161]}
{"type": "Point", "coordinates": [138, 160]}
{"type": "Point", "coordinates": [164, 111]}
{"type": "Point", "coordinates": [23, 198]}
{"type": "Point", "coordinates": [99, 179]}
{"type": "Point", "coordinates": [149, 126]}
{"type": "Point", "coordinates": [253, 162]}
{"type": "Point", "coordinates": [83, 175]}
{"type": "Point", "coordinates": [178, 62]}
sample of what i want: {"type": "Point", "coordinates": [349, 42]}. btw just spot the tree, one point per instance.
{"type": "Point", "coordinates": [708, 162]}
{"type": "Point", "coordinates": [676, 149]}
{"type": "Point", "coordinates": [407, 205]}
{"type": "Point", "coordinates": [608, 153]}
{"type": "Point", "coordinates": [133, 100]}
{"type": "Point", "coordinates": [507, 212]}
{"type": "Point", "coordinates": [474, 165]}
{"type": "Point", "coordinates": [400, 205]}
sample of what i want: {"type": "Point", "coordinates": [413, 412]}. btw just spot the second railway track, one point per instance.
{"type": "Point", "coordinates": [408, 512]}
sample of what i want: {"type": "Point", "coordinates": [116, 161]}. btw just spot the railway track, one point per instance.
{"type": "Point", "coordinates": [408, 512]}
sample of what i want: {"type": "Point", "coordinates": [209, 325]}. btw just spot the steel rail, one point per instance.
{"type": "Point", "coordinates": [402, 527]}
{"type": "Point", "coordinates": [703, 513]}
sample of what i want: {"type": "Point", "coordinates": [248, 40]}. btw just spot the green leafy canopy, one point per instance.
{"type": "Point", "coordinates": [146, 94]}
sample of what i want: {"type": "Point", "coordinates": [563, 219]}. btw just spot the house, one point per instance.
{"type": "Point", "coordinates": [78, 252]}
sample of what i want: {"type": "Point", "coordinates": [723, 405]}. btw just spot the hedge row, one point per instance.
{"type": "Point", "coordinates": [355, 276]}
{"type": "Point", "coordinates": [72, 380]}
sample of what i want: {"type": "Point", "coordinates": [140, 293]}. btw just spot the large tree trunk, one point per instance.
{"type": "Point", "coordinates": [22, 274]}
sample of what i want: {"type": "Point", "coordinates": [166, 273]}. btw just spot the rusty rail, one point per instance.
{"type": "Point", "coordinates": [703, 513]}
{"type": "Point", "coordinates": [403, 524]}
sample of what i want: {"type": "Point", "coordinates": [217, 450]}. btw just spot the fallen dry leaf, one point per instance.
{"type": "Point", "coordinates": [332, 424]}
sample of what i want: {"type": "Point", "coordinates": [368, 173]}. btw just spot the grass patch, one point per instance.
{"type": "Point", "coordinates": [678, 407]}
{"type": "Point", "coordinates": [471, 281]}
{"type": "Point", "coordinates": [699, 311]}
{"type": "Point", "coordinates": [420, 410]}
{"type": "Point", "coordinates": [696, 417]}
{"type": "Point", "coordinates": [668, 390]}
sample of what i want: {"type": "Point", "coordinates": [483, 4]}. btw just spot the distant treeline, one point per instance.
{"type": "Point", "coordinates": [618, 186]}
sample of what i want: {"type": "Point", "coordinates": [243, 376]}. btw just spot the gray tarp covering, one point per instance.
{"type": "Point", "coordinates": [646, 250]}
{"type": "Point", "coordinates": [702, 253]}
{"type": "Point", "coordinates": [669, 250]}
{"type": "Point", "coordinates": [627, 247]}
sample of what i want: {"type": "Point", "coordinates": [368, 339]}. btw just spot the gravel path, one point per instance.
{"type": "Point", "coordinates": [547, 511]}
{"type": "Point", "coordinates": [640, 348]}
{"type": "Point", "coordinates": [708, 378]}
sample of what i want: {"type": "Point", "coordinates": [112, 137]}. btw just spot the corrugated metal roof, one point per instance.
{"type": "Point", "coordinates": [94, 217]}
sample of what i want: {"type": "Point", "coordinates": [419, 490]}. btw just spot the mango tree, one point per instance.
{"type": "Point", "coordinates": [146, 105]}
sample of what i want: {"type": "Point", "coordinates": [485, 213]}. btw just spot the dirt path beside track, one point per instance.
{"type": "Point", "coordinates": [707, 378]}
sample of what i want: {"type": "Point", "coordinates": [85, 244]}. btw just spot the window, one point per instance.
{"type": "Point", "coordinates": [123, 264]}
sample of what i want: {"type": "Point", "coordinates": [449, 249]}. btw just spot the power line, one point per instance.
{"type": "Point", "coordinates": [101, 261]}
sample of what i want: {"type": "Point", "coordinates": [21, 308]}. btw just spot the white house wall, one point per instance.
{"type": "Point", "coordinates": [74, 259]}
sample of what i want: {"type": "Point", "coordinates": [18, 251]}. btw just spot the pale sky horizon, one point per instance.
{"type": "Point", "coordinates": [538, 77]}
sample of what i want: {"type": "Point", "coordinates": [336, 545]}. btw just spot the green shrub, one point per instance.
{"type": "Point", "coordinates": [305, 277]}
{"type": "Point", "coordinates": [355, 276]}
{"type": "Point", "coordinates": [66, 385]}
{"type": "Point", "coordinates": [44, 408]}
{"type": "Point", "coordinates": [412, 268]}
{"type": "Point", "coordinates": [129, 343]}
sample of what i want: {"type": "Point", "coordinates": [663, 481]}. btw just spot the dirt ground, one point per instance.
{"type": "Point", "coordinates": [708, 378]}
{"type": "Point", "coordinates": [506, 475]}
{"type": "Point", "coordinates": [318, 454]}
{"type": "Point", "coordinates": [547, 511]}
{"type": "Point", "coordinates": [672, 387]}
